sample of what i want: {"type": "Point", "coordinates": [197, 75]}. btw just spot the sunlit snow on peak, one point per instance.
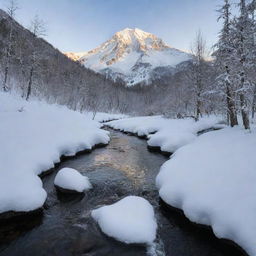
{"type": "Point", "coordinates": [131, 54]}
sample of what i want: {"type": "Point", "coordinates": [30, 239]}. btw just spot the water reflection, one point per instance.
{"type": "Point", "coordinates": [128, 160]}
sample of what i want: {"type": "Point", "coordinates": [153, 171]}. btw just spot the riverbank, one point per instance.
{"type": "Point", "coordinates": [34, 137]}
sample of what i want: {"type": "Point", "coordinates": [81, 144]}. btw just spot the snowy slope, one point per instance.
{"type": "Point", "coordinates": [131, 55]}
{"type": "Point", "coordinates": [33, 137]}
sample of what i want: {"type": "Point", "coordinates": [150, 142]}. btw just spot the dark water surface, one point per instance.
{"type": "Point", "coordinates": [124, 167]}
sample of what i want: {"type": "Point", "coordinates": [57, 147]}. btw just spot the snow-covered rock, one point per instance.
{"type": "Point", "coordinates": [33, 137]}
{"type": "Point", "coordinates": [130, 220]}
{"type": "Point", "coordinates": [132, 55]}
{"type": "Point", "coordinates": [71, 180]}
{"type": "Point", "coordinates": [169, 134]}
{"type": "Point", "coordinates": [213, 181]}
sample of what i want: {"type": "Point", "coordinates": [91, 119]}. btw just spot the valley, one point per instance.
{"type": "Point", "coordinates": [114, 141]}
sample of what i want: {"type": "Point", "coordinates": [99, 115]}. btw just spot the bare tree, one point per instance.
{"type": "Point", "coordinates": [11, 9]}
{"type": "Point", "coordinates": [38, 29]}
{"type": "Point", "coordinates": [199, 52]}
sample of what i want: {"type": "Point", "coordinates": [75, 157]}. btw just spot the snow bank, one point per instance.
{"type": "Point", "coordinates": [169, 134]}
{"type": "Point", "coordinates": [130, 220]}
{"type": "Point", "coordinates": [105, 117]}
{"type": "Point", "coordinates": [33, 136]}
{"type": "Point", "coordinates": [139, 125]}
{"type": "Point", "coordinates": [71, 179]}
{"type": "Point", "coordinates": [213, 181]}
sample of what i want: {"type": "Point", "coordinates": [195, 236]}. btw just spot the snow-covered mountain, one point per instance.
{"type": "Point", "coordinates": [133, 55]}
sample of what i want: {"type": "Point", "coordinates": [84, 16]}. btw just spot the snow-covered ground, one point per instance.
{"type": "Point", "coordinates": [33, 137]}
{"type": "Point", "coordinates": [210, 177]}
{"type": "Point", "coordinates": [169, 134]}
{"type": "Point", "coordinates": [72, 180]}
{"type": "Point", "coordinates": [130, 220]}
{"type": "Point", "coordinates": [213, 181]}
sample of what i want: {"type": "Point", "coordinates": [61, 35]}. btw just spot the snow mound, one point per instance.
{"type": "Point", "coordinates": [34, 135]}
{"type": "Point", "coordinates": [71, 179]}
{"type": "Point", "coordinates": [213, 181]}
{"type": "Point", "coordinates": [169, 134]}
{"type": "Point", "coordinates": [130, 220]}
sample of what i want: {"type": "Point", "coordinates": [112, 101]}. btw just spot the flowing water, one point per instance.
{"type": "Point", "coordinates": [124, 167]}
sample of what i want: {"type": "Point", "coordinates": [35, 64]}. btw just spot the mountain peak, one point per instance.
{"type": "Point", "coordinates": [132, 54]}
{"type": "Point", "coordinates": [138, 40]}
{"type": "Point", "coordinates": [133, 31]}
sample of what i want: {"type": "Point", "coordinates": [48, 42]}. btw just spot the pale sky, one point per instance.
{"type": "Point", "coordinates": [81, 25]}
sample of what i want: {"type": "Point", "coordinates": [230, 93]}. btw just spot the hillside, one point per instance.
{"type": "Point", "coordinates": [56, 78]}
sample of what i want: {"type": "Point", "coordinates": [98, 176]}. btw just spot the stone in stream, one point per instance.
{"type": "Point", "coordinates": [130, 220]}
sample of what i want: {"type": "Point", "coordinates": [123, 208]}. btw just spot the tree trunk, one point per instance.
{"type": "Point", "coordinates": [231, 108]}
{"type": "Point", "coordinates": [94, 115]}
{"type": "Point", "coordinates": [30, 83]}
{"type": "Point", "coordinates": [244, 112]}
{"type": "Point", "coordinates": [254, 102]}
{"type": "Point", "coordinates": [6, 70]}
{"type": "Point", "coordinates": [198, 107]}
{"type": "Point", "coordinates": [243, 104]}
{"type": "Point", "coordinates": [230, 101]}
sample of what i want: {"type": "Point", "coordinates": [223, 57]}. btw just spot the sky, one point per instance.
{"type": "Point", "coordinates": [82, 25]}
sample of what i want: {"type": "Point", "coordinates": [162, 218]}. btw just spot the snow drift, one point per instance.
{"type": "Point", "coordinates": [213, 181]}
{"type": "Point", "coordinates": [169, 134]}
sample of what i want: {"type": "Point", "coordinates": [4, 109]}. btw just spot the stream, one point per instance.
{"type": "Point", "coordinates": [124, 167]}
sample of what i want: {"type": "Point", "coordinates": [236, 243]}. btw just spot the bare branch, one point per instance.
{"type": "Point", "coordinates": [12, 7]}
{"type": "Point", "coordinates": [37, 27]}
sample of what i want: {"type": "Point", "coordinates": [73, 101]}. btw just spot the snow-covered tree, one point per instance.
{"type": "Point", "coordinates": [242, 38]}
{"type": "Point", "coordinates": [224, 60]}
{"type": "Point", "coordinates": [251, 10]}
